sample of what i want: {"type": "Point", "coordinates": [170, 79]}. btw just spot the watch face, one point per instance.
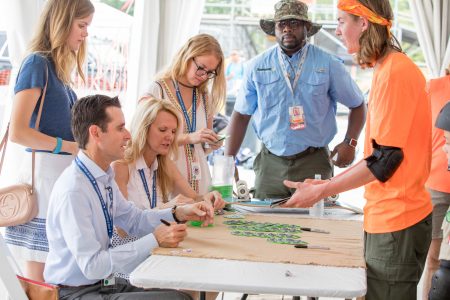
{"type": "Point", "coordinates": [351, 142]}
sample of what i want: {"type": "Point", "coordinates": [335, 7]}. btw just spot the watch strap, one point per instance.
{"type": "Point", "coordinates": [174, 210]}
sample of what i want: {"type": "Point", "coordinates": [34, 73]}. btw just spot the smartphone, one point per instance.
{"type": "Point", "coordinates": [221, 138]}
{"type": "Point", "coordinates": [278, 202]}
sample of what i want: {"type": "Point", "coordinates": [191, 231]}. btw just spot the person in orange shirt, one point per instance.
{"type": "Point", "coordinates": [438, 183]}
{"type": "Point", "coordinates": [397, 215]}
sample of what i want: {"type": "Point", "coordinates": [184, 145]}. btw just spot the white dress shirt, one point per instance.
{"type": "Point", "coordinates": [79, 246]}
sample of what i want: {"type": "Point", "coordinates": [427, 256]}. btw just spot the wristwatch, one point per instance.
{"type": "Point", "coordinates": [352, 142]}
{"type": "Point", "coordinates": [174, 214]}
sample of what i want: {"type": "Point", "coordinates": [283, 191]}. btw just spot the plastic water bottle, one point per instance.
{"type": "Point", "coordinates": [317, 210]}
{"type": "Point", "coordinates": [223, 176]}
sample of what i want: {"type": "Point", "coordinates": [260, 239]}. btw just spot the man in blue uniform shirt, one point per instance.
{"type": "Point", "coordinates": [292, 90]}
{"type": "Point", "coordinates": [86, 204]}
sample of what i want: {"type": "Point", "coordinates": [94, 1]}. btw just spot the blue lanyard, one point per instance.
{"type": "Point", "coordinates": [190, 127]}
{"type": "Point", "coordinates": [106, 213]}
{"type": "Point", "coordinates": [152, 200]}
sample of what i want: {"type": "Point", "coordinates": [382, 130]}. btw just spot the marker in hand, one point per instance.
{"type": "Point", "coordinates": [164, 222]}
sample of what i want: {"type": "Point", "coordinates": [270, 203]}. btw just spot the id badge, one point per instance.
{"type": "Point", "coordinates": [108, 284]}
{"type": "Point", "coordinates": [196, 173]}
{"type": "Point", "coordinates": [108, 281]}
{"type": "Point", "coordinates": [297, 117]}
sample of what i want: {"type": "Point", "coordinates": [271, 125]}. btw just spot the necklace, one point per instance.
{"type": "Point", "coordinates": [185, 85]}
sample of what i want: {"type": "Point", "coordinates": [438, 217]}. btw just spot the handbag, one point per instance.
{"type": "Point", "coordinates": [36, 290]}
{"type": "Point", "coordinates": [18, 202]}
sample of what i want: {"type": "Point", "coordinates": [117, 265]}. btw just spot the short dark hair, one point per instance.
{"type": "Point", "coordinates": [91, 110]}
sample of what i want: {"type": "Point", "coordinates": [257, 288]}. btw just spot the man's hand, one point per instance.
{"type": "Point", "coordinates": [308, 192]}
{"type": "Point", "coordinates": [215, 198]}
{"type": "Point", "coordinates": [200, 211]}
{"type": "Point", "coordinates": [345, 155]}
{"type": "Point", "coordinates": [170, 236]}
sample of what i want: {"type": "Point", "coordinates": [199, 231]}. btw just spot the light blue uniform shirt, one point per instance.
{"type": "Point", "coordinates": [265, 95]}
{"type": "Point", "coordinates": [79, 251]}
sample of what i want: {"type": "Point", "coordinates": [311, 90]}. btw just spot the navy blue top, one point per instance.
{"type": "Point", "coordinates": [56, 113]}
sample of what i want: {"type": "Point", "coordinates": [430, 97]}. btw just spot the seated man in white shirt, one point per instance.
{"type": "Point", "coordinates": [86, 203]}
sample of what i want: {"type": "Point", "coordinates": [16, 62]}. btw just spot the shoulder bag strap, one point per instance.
{"type": "Point", "coordinates": [36, 126]}
{"type": "Point", "coordinates": [3, 146]}
{"type": "Point", "coordinates": [4, 141]}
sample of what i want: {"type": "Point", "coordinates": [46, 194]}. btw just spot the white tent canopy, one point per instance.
{"type": "Point", "coordinates": [433, 30]}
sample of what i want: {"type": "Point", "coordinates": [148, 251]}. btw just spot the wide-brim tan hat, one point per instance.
{"type": "Point", "coordinates": [289, 9]}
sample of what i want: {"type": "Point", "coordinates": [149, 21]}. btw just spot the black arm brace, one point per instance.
{"type": "Point", "coordinates": [384, 161]}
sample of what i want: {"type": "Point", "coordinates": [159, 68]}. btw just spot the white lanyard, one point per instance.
{"type": "Point", "coordinates": [299, 69]}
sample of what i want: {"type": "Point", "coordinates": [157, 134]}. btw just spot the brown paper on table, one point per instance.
{"type": "Point", "coordinates": [345, 242]}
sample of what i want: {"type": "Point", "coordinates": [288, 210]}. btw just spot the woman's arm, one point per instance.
{"type": "Point", "coordinates": [20, 132]}
{"type": "Point", "coordinates": [180, 184]}
{"type": "Point", "coordinates": [121, 176]}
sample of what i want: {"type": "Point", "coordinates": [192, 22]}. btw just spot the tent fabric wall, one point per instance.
{"type": "Point", "coordinates": [433, 30]}
{"type": "Point", "coordinates": [160, 28]}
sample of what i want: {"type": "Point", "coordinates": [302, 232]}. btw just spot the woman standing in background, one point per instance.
{"type": "Point", "coordinates": [195, 84]}
{"type": "Point", "coordinates": [58, 47]}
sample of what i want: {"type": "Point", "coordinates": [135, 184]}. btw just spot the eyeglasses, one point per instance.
{"type": "Point", "coordinates": [202, 71]}
{"type": "Point", "coordinates": [293, 24]}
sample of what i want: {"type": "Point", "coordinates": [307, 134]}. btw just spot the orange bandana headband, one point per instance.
{"type": "Point", "coordinates": [355, 8]}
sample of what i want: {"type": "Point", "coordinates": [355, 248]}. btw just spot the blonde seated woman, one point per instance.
{"type": "Point", "coordinates": [147, 175]}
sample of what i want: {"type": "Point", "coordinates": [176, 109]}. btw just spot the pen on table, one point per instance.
{"type": "Point", "coordinates": [314, 230]}
{"type": "Point", "coordinates": [311, 247]}
{"type": "Point", "coordinates": [164, 222]}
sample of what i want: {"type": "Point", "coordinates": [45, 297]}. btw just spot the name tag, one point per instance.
{"type": "Point", "coordinates": [297, 117]}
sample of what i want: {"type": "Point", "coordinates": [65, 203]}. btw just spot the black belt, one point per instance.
{"type": "Point", "coordinates": [80, 286]}
{"type": "Point", "coordinates": [299, 155]}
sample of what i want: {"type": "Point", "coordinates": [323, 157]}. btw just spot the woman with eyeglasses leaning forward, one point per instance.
{"type": "Point", "coordinates": [195, 84]}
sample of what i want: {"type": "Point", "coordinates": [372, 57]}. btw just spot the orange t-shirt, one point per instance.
{"type": "Point", "coordinates": [439, 95]}
{"type": "Point", "coordinates": [399, 116]}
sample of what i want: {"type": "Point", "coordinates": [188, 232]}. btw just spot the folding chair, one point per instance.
{"type": "Point", "coordinates": [8, 273]}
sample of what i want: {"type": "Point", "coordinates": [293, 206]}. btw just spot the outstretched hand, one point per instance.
{"type": "Point", "coordinates": [307, 193]}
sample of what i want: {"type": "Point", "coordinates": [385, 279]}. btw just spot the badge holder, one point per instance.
{"type": "Point", "coordinates": [297, 118]}
{"type": "Point", "coordinates": [108, 284]}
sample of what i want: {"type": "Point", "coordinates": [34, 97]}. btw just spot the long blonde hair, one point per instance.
{"type": "Point", "coordinates": [198, 45]}
{"type": "Point", "coordinates": [375, 42]}
{"type": "Point", "coordinates": [146, 112]}
{"type": "Point", "coordinates": [52, 33]}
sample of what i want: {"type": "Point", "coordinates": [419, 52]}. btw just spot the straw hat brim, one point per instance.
{"type": "Point", "coordinates": [268, 25]}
